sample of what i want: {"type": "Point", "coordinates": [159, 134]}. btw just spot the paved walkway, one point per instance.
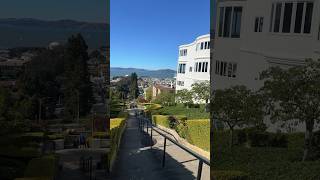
{"type": "Point", "coordinates": [136, 161]}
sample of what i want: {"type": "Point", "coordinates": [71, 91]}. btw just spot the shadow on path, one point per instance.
{"type": "Point", "coordinates": [136, 161]}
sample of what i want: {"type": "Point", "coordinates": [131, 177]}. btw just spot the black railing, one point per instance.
{"type": "Point", "coordinates": [202, 159]}
{"type": "Point", "coordinates": [86, 165]}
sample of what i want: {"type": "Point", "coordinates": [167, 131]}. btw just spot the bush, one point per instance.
{"type": "Point", "coordinates": [229, 175]}
{"type": "Point", "coordinates": [160, 120]}
{"type": "Point", "coordinates": [278, 140]}
{"type": "Point", "coordinates": [173, 122]}
{"type": "Point", "coordinates": [259, 138]}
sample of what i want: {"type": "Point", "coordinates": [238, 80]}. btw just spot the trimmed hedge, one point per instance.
{"type": "Point", "coordinates": [117, 126]}
{"type": "Point", "coordinates": [229, 175]}
{"type": "Point", "coordinates": [196, 132]}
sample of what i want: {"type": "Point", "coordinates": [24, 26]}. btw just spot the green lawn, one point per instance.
{"type": "Point", "coordinates": [180, 109]}
{"type": "Point", "coordinates": [264, 162]}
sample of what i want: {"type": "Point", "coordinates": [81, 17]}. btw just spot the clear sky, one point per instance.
{"type": "Point", "coordinates": [82, 10]}
{"type": "Point", "coordinates": [146, 33]}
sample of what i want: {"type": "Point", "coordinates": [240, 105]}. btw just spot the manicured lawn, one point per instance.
{"type": "Point", "coordinates": [264, 162]}
{"type": "Point", "coordinates": [180, 109]}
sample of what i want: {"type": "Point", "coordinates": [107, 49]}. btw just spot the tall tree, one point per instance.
{"type": "Point", "coordinates": [237, 106]}
{"type": "Point", "coordinates": [294, 95]}
{"type": "Point", "coordinates": [76, 85]}
{"type": "Point", "coordinates": [184, 96]}
{"type": "Point", "coordinates": [134, 90]}
{"type": "Point", "coordinates": [201, 91]}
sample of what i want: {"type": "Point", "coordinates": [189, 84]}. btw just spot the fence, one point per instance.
{"type": "Point", "coordinates": [152, 127]}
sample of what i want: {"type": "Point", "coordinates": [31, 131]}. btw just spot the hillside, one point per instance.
{"type": "Point", "coordinates": [29, 32]}
{"type": "Point", "coordinates": [161, 73]}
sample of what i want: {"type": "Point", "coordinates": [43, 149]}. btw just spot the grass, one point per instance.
{"type": "Point", "coordinates": [264, 162]}
{"type": "Point", "coordinates": [180, 109]}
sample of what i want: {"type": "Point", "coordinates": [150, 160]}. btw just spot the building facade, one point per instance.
{"type": "Point", "coordinates": [193, 63]}
{"type": "Point", "coordinates": [252, 35]}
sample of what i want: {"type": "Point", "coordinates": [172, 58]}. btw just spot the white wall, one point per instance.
{"type": "Point", "coordinates": [192, 57]}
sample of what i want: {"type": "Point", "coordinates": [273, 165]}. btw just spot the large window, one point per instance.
{"type": "Point", "coordinates": [236, 22]}
{"type": "Point", "coordinates": [226, 69]}
{"type": "Point", "coordinates": [183, 52]}
{"type": "Point", "coordinates": [284, 14]}
{"type": "Point", "coordinates": [201, 67]}
{"type": "Point", "coordinates": [182, 68]}
{"type": "Point", "coordinates": [230, 22]}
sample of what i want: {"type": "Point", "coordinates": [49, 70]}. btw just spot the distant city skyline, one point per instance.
{"type": "Point", "coordinates": [146, 34]}
{"type": "Point", "coordinates": [79, 10]}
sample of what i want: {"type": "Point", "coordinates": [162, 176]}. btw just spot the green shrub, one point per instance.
{"type": "Point", "coordinates": [199, 133]}
{"type": "Point", "coordinates": [173, 122]}
{"type": "Point", "coordinates": [229, 175]}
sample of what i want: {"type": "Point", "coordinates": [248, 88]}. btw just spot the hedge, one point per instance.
{"type": "Point", "coordinates": [199, 133]}
{"type": "Point", "coordinates": [117, 126]}
{"type": "Point", "coordinates": [196, 132]}
{"type": "Point", "coordinates": [44, 167]}
{"type": "Point", "coordinates": [229, 175]}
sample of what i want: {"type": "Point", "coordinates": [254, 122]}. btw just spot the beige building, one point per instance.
{"type": "Point", "coordinates": [158, 89]}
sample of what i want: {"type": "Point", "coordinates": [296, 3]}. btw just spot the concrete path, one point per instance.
{"type": "Point", "coordinates": [136, 161]}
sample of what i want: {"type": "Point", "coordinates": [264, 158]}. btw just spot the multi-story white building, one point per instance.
{"type": "Point", "coordinates": [193, 63]}
{"type": "Point", "coordinates": [252, 35]}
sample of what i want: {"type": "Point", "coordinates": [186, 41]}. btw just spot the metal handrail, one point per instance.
{"type": "Point", "coordinates": [201, 158]}
{"type": "Point", "coordinates": [163, 130]}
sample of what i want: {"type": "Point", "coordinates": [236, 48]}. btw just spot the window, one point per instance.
{"type": "Point", "coordinates": [226, 69]}
{"type": "Point", "coordinates": [221, 19]}
{"type": "Point", "coordinates": [236, 22]}
{"type": "Point", "coordinates": [199, 66]}
{"type": "Point", "coordinates": [258, 24]}
{"type": "Point", "coordinates": [271, 18]}
{"type": "Point", "coordinates": [209, 45]}
{"type": "Point", "coordinates": [292, 17]}
{"type": "Point", "coordinates": [190, 69]}
{"type": "Point", "coordinates": [201, 46]}
{"type": "Point", "coordinates": [227, 22]}
{"type": "Point", "coordinates": [278, 16]}
{"type": "Point", "coordinates": [206, 65]}
{"type": "Point", "coordinates": [308, 18]}
{"type": "Point", "coordinates": [230, 22]}
{"type": "Point", "coordinates": [299, 14]}
{"type": "Point", "coordinates": [180, 83]}
{"type": "Point", "coordinates": [182, 68]}
{"type": "Point", "coordinates": [183, 52]}
{"type": "Point", "coordinates": [196, 67]}
{"type": "Point", "coordinates": [287, 18]}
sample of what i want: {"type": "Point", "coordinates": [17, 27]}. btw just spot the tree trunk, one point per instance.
{"type": "Point", "coordinates": [231, 137]}
{"type": "Point", "coordinates": [308, 139]}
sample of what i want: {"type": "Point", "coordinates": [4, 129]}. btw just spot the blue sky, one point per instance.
{"type": "Point", "coordinates": [146, 33]}
{"type": "Point", "coordinates": [83, 10]}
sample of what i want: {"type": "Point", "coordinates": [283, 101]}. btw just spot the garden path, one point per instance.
{"type": "Point", "coordinates": [136, 161]}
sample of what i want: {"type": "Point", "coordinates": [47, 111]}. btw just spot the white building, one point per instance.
{"type": "Point", "coordinates": [252, 35]}
{"type": "Point", "coordinates": [193, 63]}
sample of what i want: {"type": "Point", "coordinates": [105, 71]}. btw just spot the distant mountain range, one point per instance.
{"type": "Point", "coordinates": [29, 32]}
{"type": "Point", "coordinates": [161, 73]}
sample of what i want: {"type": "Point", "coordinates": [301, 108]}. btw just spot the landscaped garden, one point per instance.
{"type": "Point", "coordinates": [247, 148]}
{"type": "Point", "coordinates": [262, 156]}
